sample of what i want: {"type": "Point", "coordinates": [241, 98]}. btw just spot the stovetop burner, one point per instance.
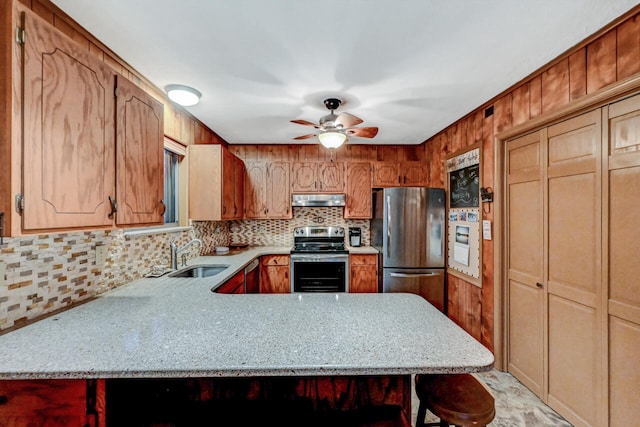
{"type": "Point", "coordinates": [318, 239]}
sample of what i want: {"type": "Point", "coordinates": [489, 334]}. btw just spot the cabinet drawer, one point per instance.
{"type": "Point", "coordinates": [275, 260]}
{"type": "Point", "coordinates": [363, 259]}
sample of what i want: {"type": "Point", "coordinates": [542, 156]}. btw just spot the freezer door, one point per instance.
{"type": "Point", "coordinates": [413, 225]}
{"type": "Point", "coordinates": [428, 283]}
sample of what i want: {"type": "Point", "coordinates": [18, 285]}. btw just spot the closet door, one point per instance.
{"type": "Point", "coordinates": [622, 157]}
{"type": "Point", "coordinates": [526, 308]}
{"type": "Point", "coordinates": [573, 274]}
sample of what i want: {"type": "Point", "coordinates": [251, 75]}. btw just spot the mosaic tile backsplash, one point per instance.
{"type": "Point", "coordinates": [48, 272]}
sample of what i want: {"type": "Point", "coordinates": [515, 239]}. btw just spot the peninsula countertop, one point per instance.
{"type": "Point", "coordinates": [177, 327]}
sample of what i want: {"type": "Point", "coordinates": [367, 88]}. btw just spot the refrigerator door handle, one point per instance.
{"type": "Point", "coordinates": [413, 274]}
{"type": "Point", "coordinates": [389, 226]}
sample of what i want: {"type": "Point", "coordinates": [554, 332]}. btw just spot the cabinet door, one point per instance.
{"type": "Point", "coordinates": [358, 194]}
{"type": "Point", "coordinates": [414, 174]}
{"type": "Point", "coordinates": [238, 188]}
{"type": "Point", "coordinates": [278, 194]}
{"type": "Point", "coordinates": [235, 285]}
{"type": "Point", "coordinates": [256, 196]}
{"type": "Point", "coordinates": [69, 132]}
{"type": "Point", "coordinates": [385, 174]}
{"type": "Point", "coordinates": [274, 274]}
{"type": "Point", "coordinates": [140, 156]}
{"type": "Point", "coordinates": [364, 273]}
{"type": "Point", "coordinates": [228, 183]}
{"type": "Point", "coordinates": [303, 177]}
{"type": "Point", "coordinates": [331, 177]}
{"type": "Point", "coordinates": [51, 403]}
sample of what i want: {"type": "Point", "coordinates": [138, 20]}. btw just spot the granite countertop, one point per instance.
{"type": "Point", "coordinates": [178, 327]}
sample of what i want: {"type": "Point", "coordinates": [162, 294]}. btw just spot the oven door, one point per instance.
{"type": "Point", "coordinates": [319, 272]}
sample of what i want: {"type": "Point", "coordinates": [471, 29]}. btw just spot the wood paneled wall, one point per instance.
{"type": "Point", "coordinates": [316, 152]}
{"type": "Point", "coordinates": [600, 61]}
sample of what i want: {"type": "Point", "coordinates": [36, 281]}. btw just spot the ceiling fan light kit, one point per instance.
{"type": "Point", "coordinates": [333, 129]}
{"type": "Point", "coordinates": [183, 95]}
{"type": "Point", "coordinates": [331, 139]}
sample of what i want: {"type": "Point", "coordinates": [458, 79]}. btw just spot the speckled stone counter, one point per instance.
{"type": "Point", "coordinates": [178, 327]}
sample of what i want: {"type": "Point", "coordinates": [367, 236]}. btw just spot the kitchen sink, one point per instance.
{"type": "Point", "coordinates": [206, 270]}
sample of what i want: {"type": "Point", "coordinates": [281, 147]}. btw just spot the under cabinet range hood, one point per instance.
{"type": "Point", "coordinates": [317, 200]}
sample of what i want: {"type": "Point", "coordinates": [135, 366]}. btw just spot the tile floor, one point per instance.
{"type": "Point", "coordinates": [516, 406]}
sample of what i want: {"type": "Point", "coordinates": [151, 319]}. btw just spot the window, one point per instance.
{"type": "Point", "coordinates": [171, 189]}
{"type": "Point", "coordinates": [174, 154]}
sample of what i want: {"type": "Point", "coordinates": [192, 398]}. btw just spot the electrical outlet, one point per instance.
{"type": "Point", "coordinates": [101, 255]}
{"type": "Point", "coordinates": [3, 271]}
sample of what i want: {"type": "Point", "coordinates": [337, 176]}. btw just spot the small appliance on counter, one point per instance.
{"type": "Point", "coordinates": [355, 236]}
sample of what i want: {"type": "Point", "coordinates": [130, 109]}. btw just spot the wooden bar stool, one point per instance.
{"type": "Point", "coordinates": [458, 399]}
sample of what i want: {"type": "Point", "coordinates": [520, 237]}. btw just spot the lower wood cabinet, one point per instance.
{"type": "Point", "coordinates": [364, 273]}
{"type": "Point", "coordinates": [274, 274]}
{"type": "Point", "coordinates": [51, 403]}
{"type": "Point", "coordinates": [235, 285]}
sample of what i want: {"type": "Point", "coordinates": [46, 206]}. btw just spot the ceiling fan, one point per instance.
{"type": "Point", "coordinates": [333, 129]}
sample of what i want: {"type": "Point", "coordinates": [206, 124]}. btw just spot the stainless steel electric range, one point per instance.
{"type": "Point", "coordinates": [319, 260]}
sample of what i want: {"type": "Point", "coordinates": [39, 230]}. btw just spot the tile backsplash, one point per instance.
{"type": "Point", "coordinates": [48, 272]}
{"type": "Point", "coordinates": [279, 232]}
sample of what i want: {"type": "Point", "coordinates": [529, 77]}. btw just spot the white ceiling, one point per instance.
{"type": "Point", "coordinates": [409, 67]}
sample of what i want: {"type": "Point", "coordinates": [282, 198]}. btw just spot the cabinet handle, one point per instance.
{"type": "Point", "coordinates": [114, 207]}
{"type": "Point", "coordinates": [3, 399]}
{"type": "Point", "coordinates": [164, 208]}
{"type": "Point", "coordinates": [538, 284]}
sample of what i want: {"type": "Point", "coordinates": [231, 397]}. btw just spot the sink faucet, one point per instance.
{"type": "Point", "coordinates": [175, 251]}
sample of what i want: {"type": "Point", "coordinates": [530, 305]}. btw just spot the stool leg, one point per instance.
{"type": "Point", "coordinates": [422, 414]}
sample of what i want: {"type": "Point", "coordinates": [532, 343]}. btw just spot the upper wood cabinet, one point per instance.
{"type": "Point", "coordinates": [267, 192]}
{"type": "Point", "coordinates": [400, 174]}
{"type": "Point", "coordinates": [69, 132]}
{"type": "Point", "coordinates": [317, 177]}
{"type": "Point", "coordinates": [233, 172]}
{"type": "Point", "coordinates": [358, 194]}
{"type": "Point", "coordinates": [216, 183]}
{"type": "Point", "coordinates": [140, 156]}
{"type": "Point", "coordinates": [82, 148]}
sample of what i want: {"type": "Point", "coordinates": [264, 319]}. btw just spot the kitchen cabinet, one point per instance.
{"type": "Point", "coordinates": [51, 403]}
{"type": "Point", "coordinates": [358, 193]}
{"type": "Point", "coordinates": [274, 274]}
{"type": "Point", "coordinates": [69, 132]}
{"type": "Point", "coordinates": [400, 174]}
{"type": "Point", "coordinates": [140, 156]}
{"type": "Point", "coordinates": [317, 177]}
{"type": "Point", "coordinates": [267, 193]}
{"type": "Point", "coordinates": [235, 285]}
{"type": "Point", "coordinates": [86, 153]}
{"type": "Point", "coordinates": [232, 186]}
{"type": "Point", "coordinates": [216, 183]}
{"type": "Point", "coordinates": [364, 273]}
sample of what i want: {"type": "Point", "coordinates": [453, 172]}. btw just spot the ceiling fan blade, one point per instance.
{"type": "Point", "coordinates": [306, 123]}
{"type": "Point", "coordinates": [347, 120]}
{"type": "Point", "coordinates": [363, 132]}
{"type": "Point", "coordinates": [305, 136]}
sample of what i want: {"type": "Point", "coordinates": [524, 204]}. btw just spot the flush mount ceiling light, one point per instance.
{"type": "Point", "coordinates": [332, 139]}
{"type": "Point", "coordinates": [183, 95]}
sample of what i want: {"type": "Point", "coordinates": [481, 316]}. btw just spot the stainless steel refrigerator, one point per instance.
{"type": "Point", "coordinates": [408, 231]}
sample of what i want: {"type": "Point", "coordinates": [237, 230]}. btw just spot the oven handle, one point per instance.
{"type": "Point", "coordinates": [319, 258]}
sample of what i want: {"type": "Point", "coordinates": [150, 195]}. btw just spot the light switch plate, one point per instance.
{"type": "Point", "coordinates": [101, 255]}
